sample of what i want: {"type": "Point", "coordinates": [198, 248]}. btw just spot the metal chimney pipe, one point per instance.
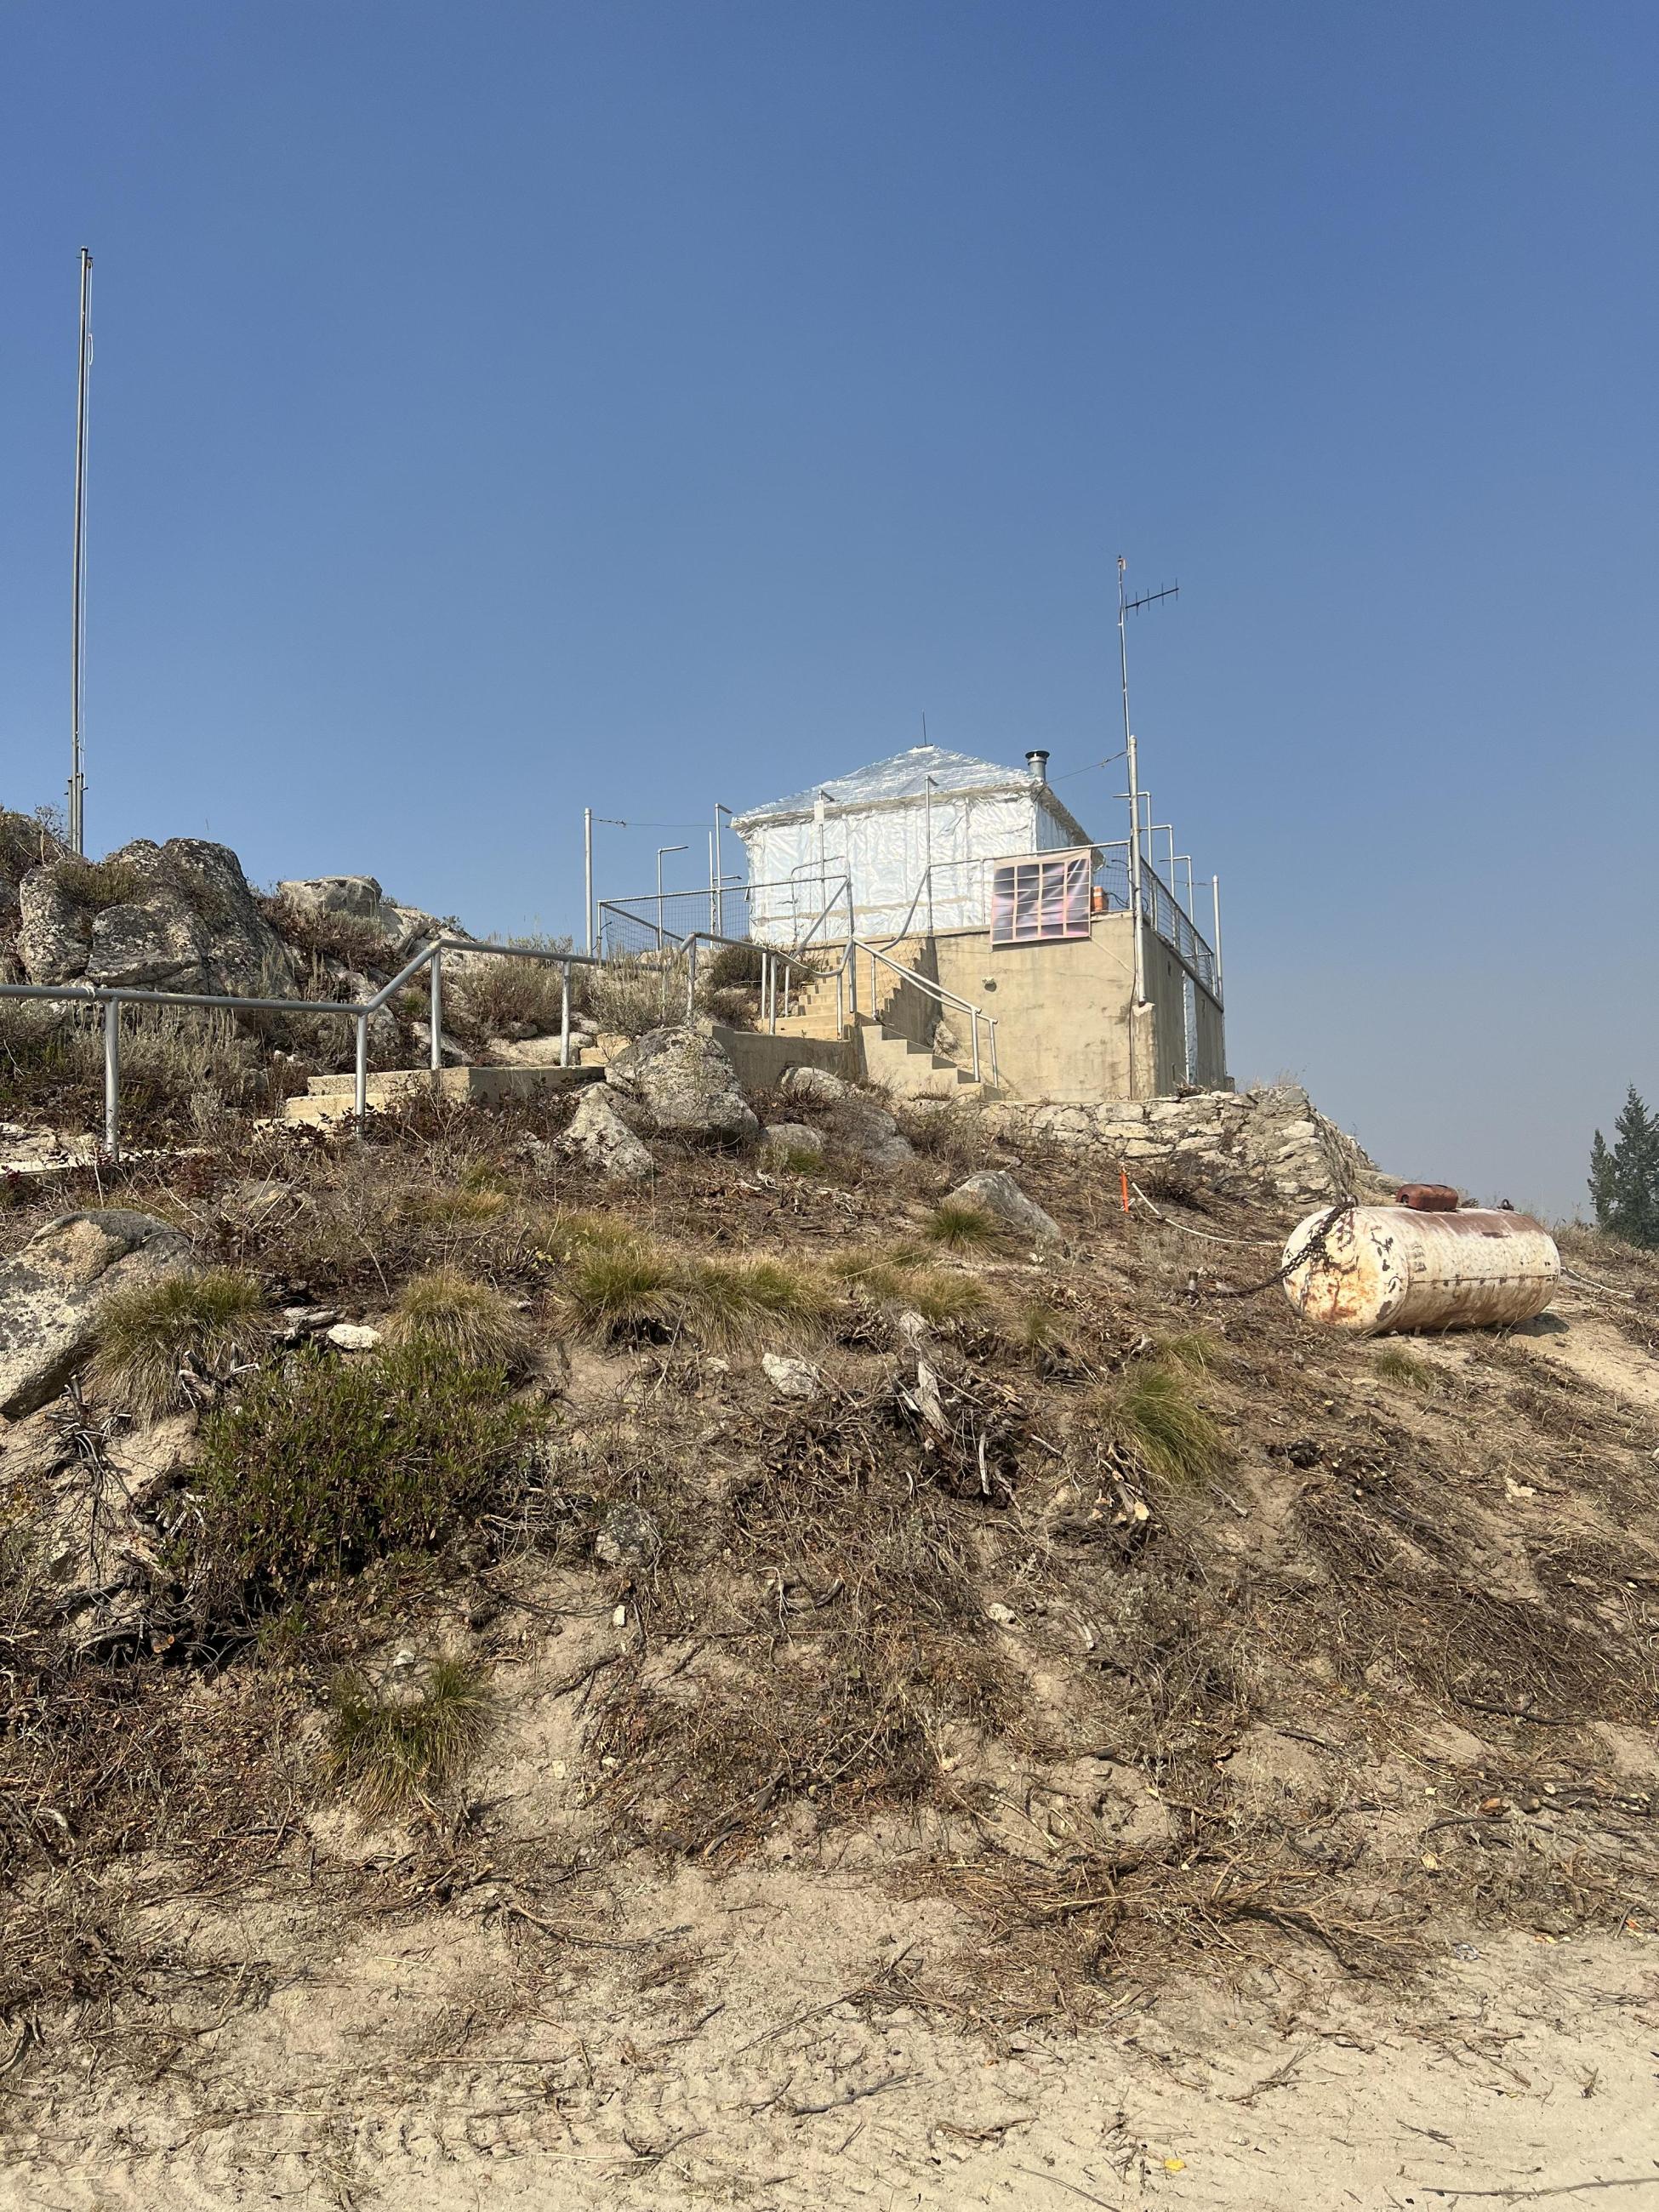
{"type": "Point", "coordinates": [1038, 765]}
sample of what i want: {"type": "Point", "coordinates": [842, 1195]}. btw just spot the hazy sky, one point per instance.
{"type": "Point", "coordinates": [502, 408]}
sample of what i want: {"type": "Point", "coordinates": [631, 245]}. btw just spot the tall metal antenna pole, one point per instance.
{"type": "Point", "coordinates": [1134, 792]}
{"type": "Point", "coordinates": [78, 783]}
{"type": "Point", "coordinates": [587, 872]}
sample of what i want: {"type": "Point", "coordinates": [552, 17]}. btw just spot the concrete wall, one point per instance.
{"type": "Point", "coordinates": [763, 1061]}
{"type": "Point", "coordinates": [1063, 1012]}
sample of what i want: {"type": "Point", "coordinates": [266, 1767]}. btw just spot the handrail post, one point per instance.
{"type": "Point", "coordinates": [841, 998]}
{"type": "Point", "coordinates": [361, 1092]}
{"type": "Point", "coordinates": [564, 1015]}
{"type": "Point", "coordinates": [788, 972]}
{"type": "Point", "coordinates": [437, 1007]}
{"type": "Point", "coordinates": [975, 1035]}
{"type": "Point", "coordinates": [996, 1077]}
{"type": "Point", "coordinates": [113, 1076]}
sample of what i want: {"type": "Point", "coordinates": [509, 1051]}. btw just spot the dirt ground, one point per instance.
{"type": "Point", "coordinates": [1287, 1842]}
{"type": "Point", "coordinates": [1520, 2069]}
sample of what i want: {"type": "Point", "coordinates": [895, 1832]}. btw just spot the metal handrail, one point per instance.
{"type": "Point", "coordinates": [857, 944]}
{"type": "Point", "coordinates": [358, 1010]}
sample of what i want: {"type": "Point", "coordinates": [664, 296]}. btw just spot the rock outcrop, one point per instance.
{"type": "Point", "coordinates": [994, 1191]}
{"type": "Point", "coordinates": [1272, 1142]}
{"type": "Point", "coordinates": [686, 1083]}
{"type": "Point", "coordinates": [51, 1291]}
{"type": "Point", "coordinates": [854, 1120]}
{"type": "Point", "coordinates": [173, 917]}
{"type": "Point", "coordinates": [598, 1136]}
{"type": "Point", "coordinates": [360, 901]}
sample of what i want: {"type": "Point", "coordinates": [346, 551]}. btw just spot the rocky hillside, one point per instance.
{"type": "Point", "coordinates": [631, 1635]}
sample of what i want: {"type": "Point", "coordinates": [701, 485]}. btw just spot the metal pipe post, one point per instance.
{"type": "Point", "coordinates": [692, 977]}
{"type": "Point", "coordinates": [975, 1019]}
{"type": "Point", "coordinates": [112, 1077]}
{"type": "Point", "coordinates": [437, 1007]}
{"type": "Point", "coordinates": [588, 870]}
{"type": "Point", "coordinates": [564, 1015]}
{"type": "Point", "coordinates": [1215, 893]}
{"type": "Point", "coordinates": [78, 783]}
{"type": "Point", "coordinates": [361, 1091]}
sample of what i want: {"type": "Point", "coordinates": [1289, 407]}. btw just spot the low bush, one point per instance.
{"type": "Point", "coordinates": [392, 1750]}
{"type": "Point", "coordinates": [96, 885]}
{"type": "Point", "coordinates": [149, 1337]}
{"type": "Point", "coordinates": [447, 1313]}
{"type": "Point", "coordinates": [179, 1068]}
{"type": "Point", "coordinates": [356, 940]}
{"type": "Point", "coordinates": [731, 964]}
{"type": "Point", "coordinates": [626, 1000]}
{"type": "Point", "coordinates": [498, 996]}
{"type": "Point", "coordinates": [327, 1463]}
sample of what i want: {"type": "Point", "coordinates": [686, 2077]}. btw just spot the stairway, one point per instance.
{"type": "Point", "coordinates": [334, 1097]}
{"type": "Point", "coordinates": [894, 1016]}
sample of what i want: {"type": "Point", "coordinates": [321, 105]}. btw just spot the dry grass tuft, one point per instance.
{"type": "Point", "coordinates": [445, 1311]}
{"type": "Point", "coordinates": [891, 1276]}
{"type": "Point", "coordinates": [724, 1303]}
{"type": "Point", "coordinates": [619, 1289]}
{"type": "Point", "coordinates": [152, 1337]}
{"type": "Point", "coordinates": [392, 1751]}
{"type": "Point", "coordinates": [1395, 1364]}
{"type": "Point", "coordinates": [1151, 1413]}
{"type": "Point", "coordinates": [1197, 1350]}
{"type": "Point", "coordinates": [961, 1227]}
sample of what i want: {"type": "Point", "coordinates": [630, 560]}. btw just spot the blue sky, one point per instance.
{"type": "Point", "coordinates": [501, 409]}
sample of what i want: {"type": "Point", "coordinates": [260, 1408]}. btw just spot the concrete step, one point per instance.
{"type": "Point", "coordinates": [333, 1097]}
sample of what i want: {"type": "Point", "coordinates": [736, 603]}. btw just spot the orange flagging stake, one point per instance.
{"type": "Point", "coordinates": [1123, 1177]}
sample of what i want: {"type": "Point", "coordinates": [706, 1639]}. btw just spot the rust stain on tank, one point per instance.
{"type": "Point", "coordinates": [1427, 1197]}
{"type": "Point", "coordinates": [1391, 1267]}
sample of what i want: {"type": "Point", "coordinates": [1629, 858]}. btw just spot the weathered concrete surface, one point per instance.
{"type": "Point", "coordinates": [52, 1292]}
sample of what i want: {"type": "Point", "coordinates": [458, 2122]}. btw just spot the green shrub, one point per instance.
{"type": "Point", "coordinates": [146, 1335]}
{"type": "Point", "coordinates": [391, 1751]}
{"type": "Point", "coordinates": [326, 1463]}
{"type": "Point", "coordinates": [470, 1322]}
{"type": "Point", "coordinates": [729, 965]}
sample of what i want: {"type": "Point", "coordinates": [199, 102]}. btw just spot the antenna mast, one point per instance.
{"type": "Point", "coordinates": [78, 783]}
{"type": "Point", "coordinates": [1128, 606]}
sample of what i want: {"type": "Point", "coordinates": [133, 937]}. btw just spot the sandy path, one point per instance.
{"type": "Point", "coordinates": [1532, 2068]}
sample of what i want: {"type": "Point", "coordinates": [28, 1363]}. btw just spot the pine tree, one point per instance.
{"type": "Point", "coordinates": [1624, 1176]}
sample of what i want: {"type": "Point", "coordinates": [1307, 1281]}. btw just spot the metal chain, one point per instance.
{"type": "Point", "coordinates": [1316, 1250]}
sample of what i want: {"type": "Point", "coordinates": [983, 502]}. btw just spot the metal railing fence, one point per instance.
{"type": "Point", "coordinates": [781, 975]}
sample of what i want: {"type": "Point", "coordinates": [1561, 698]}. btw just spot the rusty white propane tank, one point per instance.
{"type": "Point", "coordinates": [1386, 1267]}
